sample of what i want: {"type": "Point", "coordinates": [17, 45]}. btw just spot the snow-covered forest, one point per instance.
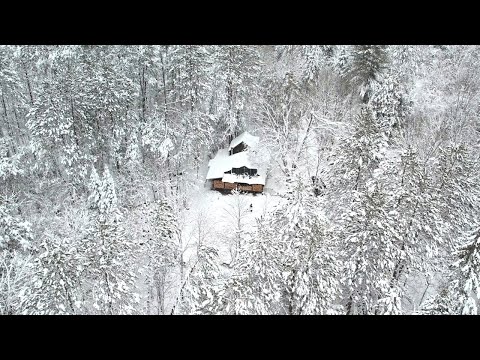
{"type": "Point", "coordinates": [371, 201]}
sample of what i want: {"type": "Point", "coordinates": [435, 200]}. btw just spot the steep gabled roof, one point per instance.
{"type": "Point", "coordinates": [223, 162]}
{"type": "Point", "coordinates": [246, 138]}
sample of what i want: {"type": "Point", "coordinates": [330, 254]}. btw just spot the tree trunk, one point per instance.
{"type": "Point", "coordinates": [28, 83]}
{"type": "Point", "coordinates": [164, 80]}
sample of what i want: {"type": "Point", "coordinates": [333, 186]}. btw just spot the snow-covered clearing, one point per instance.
{"type": "Point", "coordinates": [209, 218]}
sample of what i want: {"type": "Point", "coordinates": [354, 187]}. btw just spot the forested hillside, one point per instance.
{"type": "Point", "coordinates": [371, 202]}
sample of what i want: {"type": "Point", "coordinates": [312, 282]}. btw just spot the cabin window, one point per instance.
{"type": "Point", "coordinates": [239, 148]}
{"type": "Point", "coordinates": [244, 171]}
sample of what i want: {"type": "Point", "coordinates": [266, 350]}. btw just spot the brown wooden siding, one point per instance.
{"type": "Point", "coordinates": [230, 186]}
{"type": "Point", "coordinates": [257, 187]}
{"type": "Point", "coordinates": [220, 185]}
{"type": "Point", "coordinates": [244, 187]}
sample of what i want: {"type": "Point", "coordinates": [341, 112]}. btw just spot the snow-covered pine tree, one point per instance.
{"type": "Point", "coordinates": [13, 106]}
{"type": "Point", "coordinates": [51, 127]}
{"type": "Point", "coordinates": [368, 61]}
{"type": "Point", "coordinates": [465, 283]}
{"type": "Point", "coordinates": [356, 155]}
{"type": "Point", "coordinates": [282, 112]}
{"type": "Point", "coordinates": [15, 233]}
{"type": "Point", "coordinates": [192, 70]}
{"type": "Point", "coordinates": [58, 265]}
{"type": "Point", "coordinates": [55, 287]}
{"type": "Point", "coordinates": [15, 243]}
{"type": "Point", "coordinates": [407, 60]}
{"type": "Point", "coordinates": [237, 68]}
{"type": "Point", "coordinates": [440, 304]}
{"type": "Point", "coordinates": [371, 250]}
{"type": "Point", "coordinates": [309, 266]}
{"type": "Point", "coordinates": [342, 59]}
{"type": "Point", "coordinates": [316, 58]}
{"type": "Point", "coordinates": [10, 163]}
{"type": "Point", "coordinates": [288, 266]}
{"type": "Point", "coordinates": [237, 211]}
{"type": "Point", "coordinates": [199, 291]}
{"type": "Point", "coordinates": [411, 192]}
{"type": "Point", "coordinates": [104, 102]}
{"type": "Point", "coordinates": [111, 256]}
{"type": "Point", "coordinates": [255, 285]}
{"type": "Point", "coordinates": [198, 138]}
{"type": "Point", "coordinates": [410, 202]}
{"type": "Point", "coordinates": [457, 188]}
{"type": "Point", "coordinates": [58, 118]}
{"type": "Point", "coordinates": [389, 101]}
{"type": "Point", "coordinates": [94, 186]}
{"type": "Point", "coordinates": [460, 294]}
{"type": "Point", "coordinates": [15, 276]}
{"type": "Point", "coordinates": [162, 250]}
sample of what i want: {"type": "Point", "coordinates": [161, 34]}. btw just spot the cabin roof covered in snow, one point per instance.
{"type": "Point", "coordinates": [246, 138]}
{"type": "Point", "coordinates": [244, 179]}
{"type": "Point", "coordinates": [223, 162]}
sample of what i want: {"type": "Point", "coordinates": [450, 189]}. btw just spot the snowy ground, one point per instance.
{"type": "Point", "coordinates": [208, 218]}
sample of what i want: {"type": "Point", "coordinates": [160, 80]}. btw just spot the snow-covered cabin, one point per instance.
{"type": "Point", "coordinates": [232, 168]}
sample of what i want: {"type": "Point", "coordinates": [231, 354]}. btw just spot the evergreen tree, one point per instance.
{"type": "Point", "coordinates": [193, 75]}
{"type": "Point", "coordinates": [237, 68]}
{"type": "Point", "coordinates": [162, 249]}
{"type": "Point", "coordinates": [15, 276]}
{"type": "Point", "coordinates": [13, 103]}
{"type": "Point", "coordinates": [342, 59]}
{"type": "Point", "coordinates": [371, 250]}
{"type": "Point", "coordinates": [309, 266]}
{"type": "Point", "coordinates": [16, 239]}
{"type": "Point", "coordinates": [15, 233]}
{"type": "Point", "coordinates": [357, 154]}
{"type": "Point", "coordinates": [409, 194]}
{"type": "Point", "coordinates": [55, 284]}
{"type": "Point", "coordinates": [199, 291]}
{"type": "Point", "coordinates": [10, 163]}
{"type": "Point", "coordinates": [389, 102]}
{"type": "Point", "coordinates": [316, 58]}
{"type": "Point", "coordinates": [466, 284]}
{"type": "Point", "coordinates": [255, 284]}
{"type": "Point", "coordinates": [460, 294]}
{"type": "Point", "coordinates": [412, 197]}
{"type": "Point", "coordinates": [111, 254]}
{"type": "Point", "coordinates": [289, 266]}
{"type": "Point", "coordinates": [94, 186]}
{"type": "Point", "coordinates": [368, 62]}
{"type": "Point", "coordinates": [457, 187]}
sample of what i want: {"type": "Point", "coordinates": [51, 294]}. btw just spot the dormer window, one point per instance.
{"type": "Point", "coordinates": [239, 148]}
